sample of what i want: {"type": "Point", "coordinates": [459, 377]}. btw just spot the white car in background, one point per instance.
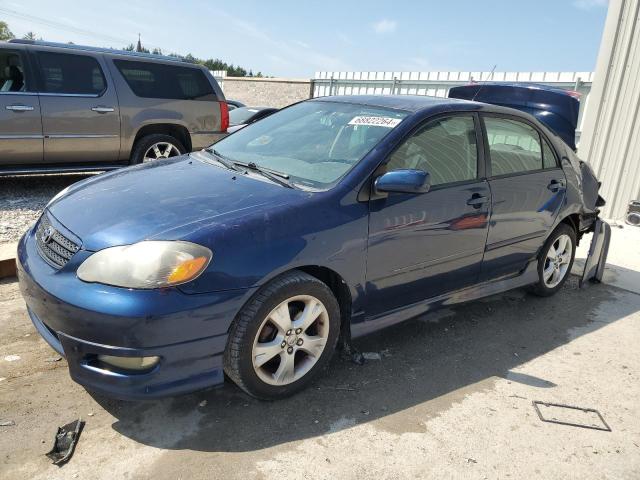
{"type": "Point", "coordinates": [243, 116]}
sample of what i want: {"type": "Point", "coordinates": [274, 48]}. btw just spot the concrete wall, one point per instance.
{"type": "Point", "coordinates": [266, 92]}
{"type": "Point", "coordinates": [611, 133]}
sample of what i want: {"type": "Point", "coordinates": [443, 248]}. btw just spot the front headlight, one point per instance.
{"type": "Point", "coordinates": [148, 264]}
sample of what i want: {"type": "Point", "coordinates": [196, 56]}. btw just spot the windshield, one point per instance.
{"type": "Point", "coordinates": [238, 116]}
{"type": "Point", "coordinates": [314, 143]}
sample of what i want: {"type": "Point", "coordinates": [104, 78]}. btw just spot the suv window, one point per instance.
{"type": "Point", "coordinates": [70, 74]}
{"type": "Point", "coordinates": [12, 78]}
{"type": "Point", "coordinates": [514, 146]}
{"type": "Point", "coordinates": [446, 148]}
{"type": "Point", "coordinates": [157, 80]}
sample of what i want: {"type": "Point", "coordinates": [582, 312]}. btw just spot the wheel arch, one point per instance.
{"type": "Point", "coordinates": [573, 221]}
{"type": "Point", "coordinates": [336, 283]}
{"type": "Point", "coordinates": [179, 132]}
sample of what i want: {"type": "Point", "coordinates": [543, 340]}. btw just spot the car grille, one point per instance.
{"type": "Point", "coordinates": [53, 246]}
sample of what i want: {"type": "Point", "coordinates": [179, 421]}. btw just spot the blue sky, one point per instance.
{"type": "Point", "coordinates": [297, 38]}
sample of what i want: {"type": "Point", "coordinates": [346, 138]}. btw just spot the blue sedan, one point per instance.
{"type": "Point", "coordinates": [330, 219]}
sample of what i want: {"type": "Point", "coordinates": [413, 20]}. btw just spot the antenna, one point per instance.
{"type": "Point", "coordinates": [482, 86]}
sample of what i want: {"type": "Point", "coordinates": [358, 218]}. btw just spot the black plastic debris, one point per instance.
{"type": "Point", "coordinates": [65, 442]}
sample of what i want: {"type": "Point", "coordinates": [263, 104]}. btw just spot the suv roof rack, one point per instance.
{"type": "Point", "coordinates": [73, 46]}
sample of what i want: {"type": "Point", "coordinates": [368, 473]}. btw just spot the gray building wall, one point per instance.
{"type": "Point", "coordinates": [611, 129]}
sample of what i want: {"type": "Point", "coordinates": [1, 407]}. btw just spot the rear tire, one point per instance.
{"type": "Point", "coordinates": [156, 147]}
{"type": "Point", "coordinates": [555, 261]}
{"type": "Point", "coordinates": [283, 337]}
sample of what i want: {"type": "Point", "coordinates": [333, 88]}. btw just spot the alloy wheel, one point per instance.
{"type": "Point", "coordinates": [160, 150]}
{"type": "Point", "coordinates": [556, 264]}
{"type": "Point", "coordinates": [290, 340]}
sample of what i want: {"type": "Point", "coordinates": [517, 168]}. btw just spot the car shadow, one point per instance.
{"type": "Point", "coordinates": [614, 274]}
{"type": "Point", "coordinates": [442, 356]}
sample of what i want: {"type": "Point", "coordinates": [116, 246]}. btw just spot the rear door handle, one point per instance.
{"type": "Point", "coordinates": [19, 108]}
{"type": "Point", "coordinates": [103, 109]}
{"type": "Point", "coordinates": [477, 200]}
{"type": "Point", "coordinates": [555, 185]}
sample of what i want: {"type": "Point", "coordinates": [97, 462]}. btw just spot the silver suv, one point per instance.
{"type": "Point", "coordinates": [72, 108]}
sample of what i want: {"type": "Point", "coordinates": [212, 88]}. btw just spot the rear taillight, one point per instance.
{"type": "Point", "coordinates": [224, 116]}
{"type": "Point", "coordinates": [574, 94]}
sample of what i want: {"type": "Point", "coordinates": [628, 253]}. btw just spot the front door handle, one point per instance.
{"type": "Point", "coordinates": [477, 200]}
{"type": "Point", "coordinates": [555, 185]}
{"type": "Point", "coordinates": [103, 109]}
{"type": "Point", "coordinates": [19, 108]}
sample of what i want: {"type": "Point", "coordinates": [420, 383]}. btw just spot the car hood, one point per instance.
{"type": "Point", "coordinates": [166, 199]}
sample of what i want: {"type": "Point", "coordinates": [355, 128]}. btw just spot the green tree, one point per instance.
{"type": "Point", "coordinates": [132, 48]}
{"type": "Point", "coordinates": [29, 36]}
{"type": "Point", "coordinates": [209, 63]}
{"type": "Point", "coordinates": [5, 33]}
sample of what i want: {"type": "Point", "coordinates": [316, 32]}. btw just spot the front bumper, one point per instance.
{"type": "Point", "coordinates": [82, 320]}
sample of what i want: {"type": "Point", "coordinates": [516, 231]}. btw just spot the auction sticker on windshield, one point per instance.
{"type": "Point", "coordinates": [388, 122]}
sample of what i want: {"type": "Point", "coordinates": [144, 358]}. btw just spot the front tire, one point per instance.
{"type": "Point", "coordinates": [555, 261]}
{"type": "Point", "coordinates": [283, 337]}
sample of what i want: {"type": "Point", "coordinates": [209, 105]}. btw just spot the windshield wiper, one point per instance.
{"type": "Point", "coordinates": [278, 177]}
{"type": "Point", "coordinates": [222, 159]}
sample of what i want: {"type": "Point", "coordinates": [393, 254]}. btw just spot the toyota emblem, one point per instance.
{"type": "Point", "coordinates": [48, 234]}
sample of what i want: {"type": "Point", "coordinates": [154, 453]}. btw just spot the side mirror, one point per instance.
{"type": "Point", "coordinates": [403, 181]}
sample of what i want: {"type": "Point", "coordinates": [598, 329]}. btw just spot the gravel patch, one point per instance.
{"type": "Point", "coordinates": [22, 199]}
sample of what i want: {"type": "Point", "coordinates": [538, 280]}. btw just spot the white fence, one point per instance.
{"type": "Point", "coordinates": [437, 84]}
{"type": "Point", "coordinates": [219, 76]}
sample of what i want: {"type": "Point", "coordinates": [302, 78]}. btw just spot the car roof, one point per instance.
{"type": "Point", "coordinates": [255, 108]}
{"type": "Point", "coordinates": [420, 103]}
{"type": "Point", "coordinates": [108, 51]}
{"type": "Point", "coordinates": [410, 103]}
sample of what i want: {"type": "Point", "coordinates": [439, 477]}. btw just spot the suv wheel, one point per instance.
{"type": "Point", "coordinates": [283, 337]}
{"type": "Point", "coordinates": [555, 261]}
{"type": "Point", "coordinates": [156, 147]}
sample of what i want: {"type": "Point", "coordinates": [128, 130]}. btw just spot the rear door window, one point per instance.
{"type": "Point", "coordinates": [157, 80]}
{"type": "Point", "coordinates": [514, 146]}
{"type": "Point", "coordinates": [66, 73]}
{"type": "Point", "coordinates": [12, 72]}
{"type": "Point", "coordinates": [548, 157]}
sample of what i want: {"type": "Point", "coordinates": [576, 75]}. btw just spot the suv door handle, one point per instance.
{"type": "Point", "coordinates": [555, 185]}
{"type": "Point", "coordinates": [19, 108]}
{"type": "Point", "coordinates": [103, 109]}
{"type": "Point", "coordinates": [477, 200]}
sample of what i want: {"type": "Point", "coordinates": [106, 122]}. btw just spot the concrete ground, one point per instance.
{"type": "Point", "coordinates": [450, 397]}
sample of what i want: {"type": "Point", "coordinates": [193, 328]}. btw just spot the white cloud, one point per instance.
{"type": "Point", "coordinates": [385, 26]}
{"type": "Point", "coordinates": [590, 4]}
{"type": "Point", "coordinates": [292, 55]}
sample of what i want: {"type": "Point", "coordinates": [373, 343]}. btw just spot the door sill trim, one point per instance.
{"type": "Point", "coordinates": [474, 292]}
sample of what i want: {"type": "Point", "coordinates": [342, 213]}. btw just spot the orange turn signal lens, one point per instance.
{"type": "Point", "coordinates": [187, 270]}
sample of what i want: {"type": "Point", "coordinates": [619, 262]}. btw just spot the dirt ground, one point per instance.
{"type": "Point", "coordinates": [450, 397]}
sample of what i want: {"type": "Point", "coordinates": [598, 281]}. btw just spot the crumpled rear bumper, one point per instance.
{"type": "Point", "coordinates": [598, 251]}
